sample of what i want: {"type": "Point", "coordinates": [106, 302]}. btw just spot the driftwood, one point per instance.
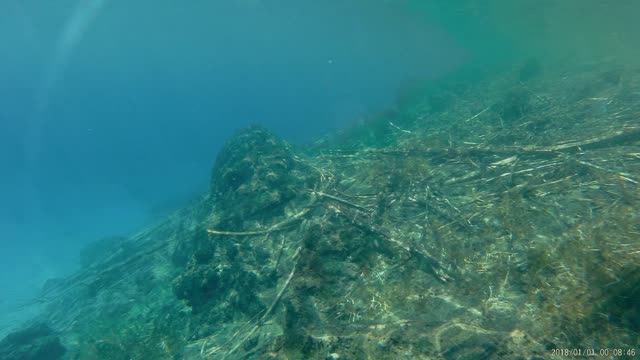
{"type": "Point", "coordinates": [620, 137]}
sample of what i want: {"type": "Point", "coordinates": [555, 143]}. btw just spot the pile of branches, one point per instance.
{"type": "Point", "coordinates": [517, 200]}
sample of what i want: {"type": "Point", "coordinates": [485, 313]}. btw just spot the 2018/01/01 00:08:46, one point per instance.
{"type": "Point", "coordinates": [594, 352]}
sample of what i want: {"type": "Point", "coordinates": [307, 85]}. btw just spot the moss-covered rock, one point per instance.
{"type": "Point", "coordinates": [255, 175]}
{"type": "Point", "coordinates": [36, 342]}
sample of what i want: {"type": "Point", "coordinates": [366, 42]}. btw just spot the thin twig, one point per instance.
{"type": "Point", "coordinates": [271, 308]}
{"type": "Point", "coordinates": [276, 227]}
{"type": "Point", "coordinates": [343, 201]}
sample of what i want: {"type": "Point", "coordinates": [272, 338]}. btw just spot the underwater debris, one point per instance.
{"type": "Point", "coordinates": [502, 223]}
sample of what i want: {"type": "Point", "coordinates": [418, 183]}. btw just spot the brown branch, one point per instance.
{"type": "Point", "coordinates": [276, 227]}
{"type": "Point", "coordinates": [615, 138]}
{"type": "Point", "coordinates": [275, 302]}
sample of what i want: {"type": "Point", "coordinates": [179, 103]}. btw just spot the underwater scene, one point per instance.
{"type": "Point", "coordinates": [324, 180]}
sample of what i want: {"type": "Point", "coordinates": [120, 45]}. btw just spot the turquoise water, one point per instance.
{"type": "Point", "coordinates": [112, 114]}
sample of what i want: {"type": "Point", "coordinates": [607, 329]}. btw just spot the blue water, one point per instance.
{"type": "Point", "coordinates": [111, 113]}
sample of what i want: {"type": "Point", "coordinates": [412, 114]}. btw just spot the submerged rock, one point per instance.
{"type": "Point", "coordinates": [255, 175]}
{"type": "Point", "coordinates": [37, 342]}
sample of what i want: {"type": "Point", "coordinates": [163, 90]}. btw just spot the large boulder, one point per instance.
{"type": "Point", "coordinates": [255, 175]}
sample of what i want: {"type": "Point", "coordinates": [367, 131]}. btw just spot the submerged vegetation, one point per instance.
{"type": "Point", "coordinates": [484, 220]}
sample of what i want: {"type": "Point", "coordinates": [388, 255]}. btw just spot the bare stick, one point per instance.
{"type": "Point", "coordinates": [478, 114]}
{"type": "Point", "coordinates": [275, 268]}
{"type": "Point", "coordinates": [343, 201]}
{"type": "Point", "coordinates": [276, 227]}
{"type": "Point", "coordinates": [270, 309]}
